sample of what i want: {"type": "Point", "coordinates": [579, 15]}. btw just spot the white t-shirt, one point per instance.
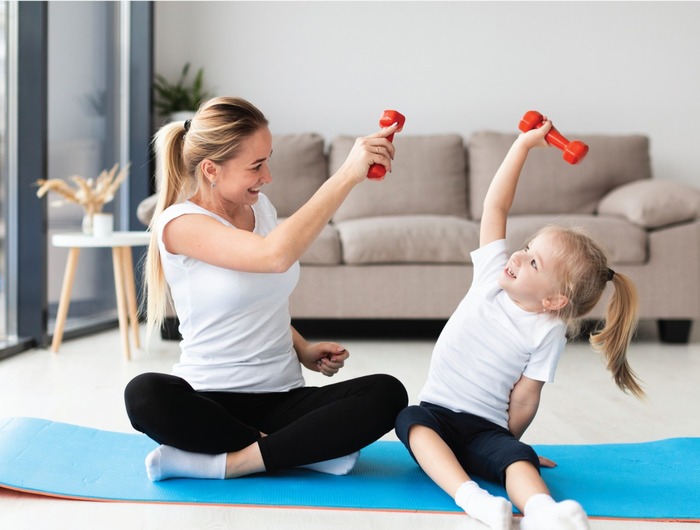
{"type": "Point", "coordinates": [488, 343]}
{"type": "Point", "coordinates": [235, 326]}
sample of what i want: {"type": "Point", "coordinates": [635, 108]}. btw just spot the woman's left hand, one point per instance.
{"type": "Point", "coordinates": [324, 357]}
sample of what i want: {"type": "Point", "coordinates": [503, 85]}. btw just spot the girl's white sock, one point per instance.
{"type": "Point", "coordinates": [544, 513]}
{"type": "Point", "coordinates": [495, 512]}
{"type": "Point", "coordinates": [336, 466]}
{"type": "Point", "coordinates": [168, 462]}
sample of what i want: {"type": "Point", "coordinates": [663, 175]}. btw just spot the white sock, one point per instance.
{"type": "Point", "coordinates": [168, 462]}
{"type": "Point", "coordinates": [495, 512]}
{"type": "Point", "coordinates": [336, 466]}
{"type": "Point", "coordinates": [544, 513]}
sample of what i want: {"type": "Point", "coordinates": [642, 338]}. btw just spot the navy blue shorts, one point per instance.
{"type": "Point", "coordinates": [483, 448]}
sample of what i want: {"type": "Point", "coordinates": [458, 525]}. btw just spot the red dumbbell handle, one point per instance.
{"type": "Point", "coordinates": [377, 171]}
{"type": "Point", "coordinates": [573, 151]}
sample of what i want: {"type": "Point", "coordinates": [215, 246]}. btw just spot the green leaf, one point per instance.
{"type": "Point", "coordinates": [173, 97]}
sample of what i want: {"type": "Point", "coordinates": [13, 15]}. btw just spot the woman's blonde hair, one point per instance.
{"type": "Point", "coordinates": [215, 133]}
{"type": "Point", "coordinates": [583, 274]}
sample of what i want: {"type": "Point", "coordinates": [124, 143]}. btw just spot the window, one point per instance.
{"type": "Point", "coordinates": [76, 100]}
{"type": "Point", "coordinates": [84, 110]}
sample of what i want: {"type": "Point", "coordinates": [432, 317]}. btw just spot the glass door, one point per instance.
{"type": "Point", "coordinates": [84, 138]}
{"type": "Point", "coordinates": [3, 174]}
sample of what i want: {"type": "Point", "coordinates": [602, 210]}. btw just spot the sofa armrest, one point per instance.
{"type": "Point", "coordinates": [145, 209]}
{"type": "Point", "coordinates": [652, 203]}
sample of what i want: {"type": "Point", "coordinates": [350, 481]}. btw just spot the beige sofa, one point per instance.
{"type": "Point", "coordinates": [399, 248]}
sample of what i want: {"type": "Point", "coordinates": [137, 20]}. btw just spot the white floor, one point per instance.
{"type": "Point", "coordinates": [83, 384]}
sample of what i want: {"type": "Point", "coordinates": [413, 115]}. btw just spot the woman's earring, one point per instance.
{"type": "Point", "coordinates": [213, 184]}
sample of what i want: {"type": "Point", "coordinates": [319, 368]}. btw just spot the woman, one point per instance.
{"type": "Point", "coordinates": [236, 403]}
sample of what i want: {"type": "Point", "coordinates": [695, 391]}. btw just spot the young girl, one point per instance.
{"type": "Point", "coordinates": [499, 348]}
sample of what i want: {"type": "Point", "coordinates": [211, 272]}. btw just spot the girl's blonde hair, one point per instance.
{"type": "Point", "coordinates": [215, 133]}
{"type": "Point", "coordinates": [583, 274]}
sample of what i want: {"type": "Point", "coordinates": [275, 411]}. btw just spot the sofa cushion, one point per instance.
{"type": "Point", "coordinates": [145, 209]}
{"type": "Point", "coordinates": [548, 184]}
{"type": "Point", "coordinates": [325, 250]}
{"type": "Point", "coordinates": [298, 168]}
{"type": "Point", "coordinates": [428, 177]}
{"type": "Point", "coordinates": [623, 241]}
{"type": "Point", "coordinates": [653, 203]}
{"type": "Point", "coordinates": [408, 239]}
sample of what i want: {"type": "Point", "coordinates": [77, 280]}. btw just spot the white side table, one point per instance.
{"type": "Point", "coordinates": [124, 284]}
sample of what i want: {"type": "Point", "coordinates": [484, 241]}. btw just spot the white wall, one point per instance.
{"type": "Point", "coordinates": [332, 67]}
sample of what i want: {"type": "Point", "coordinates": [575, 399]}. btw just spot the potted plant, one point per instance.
{"type": "Point", "coordinates": [172, 99]}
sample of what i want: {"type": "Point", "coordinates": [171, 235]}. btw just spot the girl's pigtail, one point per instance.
{"type": "Point", "coordinates": [614, 339]}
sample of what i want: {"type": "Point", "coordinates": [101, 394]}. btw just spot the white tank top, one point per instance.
{"type": "Point", "coordinates": [235, 326]}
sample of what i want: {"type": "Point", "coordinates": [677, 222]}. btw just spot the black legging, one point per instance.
{"type": "Point", "coordinates": [305, 425]}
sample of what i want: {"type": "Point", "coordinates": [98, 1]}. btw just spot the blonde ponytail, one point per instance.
{"type": "Point", "coordinates": [614, 339]}
{"type": "Point", "coordinates": [215, 133]}
{"type": "Point", "coordinates": [174, 185]}
{"type": "Point", "coordinates": [583, 274]}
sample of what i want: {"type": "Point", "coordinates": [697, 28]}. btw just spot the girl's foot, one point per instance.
{"type": "Point", "coordinates": [495, 512]}
{"type": "Point", "coordinates": [544, 513]}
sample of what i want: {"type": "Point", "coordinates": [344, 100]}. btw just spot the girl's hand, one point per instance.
{"type": "Point", "coordinates": [368, 150]}
{"type": "Point", "coordinates": [325, 357]}
{"type": "Point", "coordinates": [546, 462]}
{"type": "Point", "coordinates": [535, 137]}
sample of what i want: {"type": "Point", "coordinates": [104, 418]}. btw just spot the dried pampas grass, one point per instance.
{"type": "Point", "coordinates": [91, 193]}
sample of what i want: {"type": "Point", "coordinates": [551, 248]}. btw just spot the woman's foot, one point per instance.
{"type": "Point", "coordinates": [166, 462]}
{"type": "Point", "coordinates": [336, 466]}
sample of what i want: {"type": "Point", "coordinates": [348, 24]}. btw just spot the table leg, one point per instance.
{"type": "Point", "coordinates": [117, 262]}
{"type": "Point", "coordinates": [64, 302]}
{"type": "Point", "coordinates": [130, 289]}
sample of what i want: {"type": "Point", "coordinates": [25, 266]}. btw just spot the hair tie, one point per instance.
{"type": "Point", "coordinates": [187, 125]}
{"type": "Point", "coordinates": [611, 273]}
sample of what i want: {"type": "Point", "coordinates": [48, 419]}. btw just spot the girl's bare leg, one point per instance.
{"type": "Point", "coordinates": [439, 462]}
{"type": "Point", "coordinates": [522, 482]}
{"type": "Point", "coordinates": [531, 496]}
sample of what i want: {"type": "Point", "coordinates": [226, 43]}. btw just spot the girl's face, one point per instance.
{"type": "Point", "coordinates": [530, 278]}
{"type": "Point", "coordinates": [239, 180]}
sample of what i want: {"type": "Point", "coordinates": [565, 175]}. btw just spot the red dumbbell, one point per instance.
{"type": "Point", "coordinates": [390, 117]}
{"type": "Point", "coordinates": [574, 151]}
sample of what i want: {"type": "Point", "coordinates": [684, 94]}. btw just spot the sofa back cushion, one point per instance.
{"type": "Point", "coordinates": [550, 185]}
{"type": "Point", "coordinates": [298, 167]}
{"type": "Point", "coordinates": [428, 178]}
{"type": "Point", "coordinates": [408, 239]}
{"type": "Point", "coordinates": [623, 242]}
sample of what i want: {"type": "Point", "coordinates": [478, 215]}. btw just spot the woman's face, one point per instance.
{"type": "Point", "coordinates": [239, 180]}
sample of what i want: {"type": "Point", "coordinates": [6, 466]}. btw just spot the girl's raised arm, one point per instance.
{"type": "Point", "coordinates": [499, 197]}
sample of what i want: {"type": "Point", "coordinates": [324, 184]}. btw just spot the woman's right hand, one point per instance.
{"type": "Point", "coordinates": [368, 150]}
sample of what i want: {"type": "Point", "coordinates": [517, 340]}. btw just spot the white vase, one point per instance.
{"type": "Point", "coordinates": [102, 224]}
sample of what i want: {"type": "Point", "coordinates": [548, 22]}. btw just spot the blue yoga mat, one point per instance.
{"type": "Point", "coordinates": [654, 480]}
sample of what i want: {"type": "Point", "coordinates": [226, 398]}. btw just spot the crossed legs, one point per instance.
{"type": "Point", "coordinates": [259, 432]}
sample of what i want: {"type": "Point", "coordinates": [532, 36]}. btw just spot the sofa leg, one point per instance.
{"type": "Point", "coordinates": [675, 331]}
{"type": "Point", "coordinates": [169, 330]}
